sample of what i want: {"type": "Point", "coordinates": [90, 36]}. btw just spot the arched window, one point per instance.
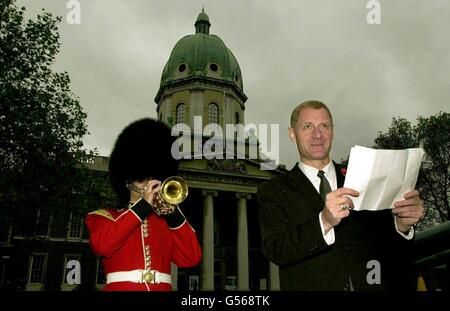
{"type": "Point", "coordinates": [213, 113]}
{"type": "Point", "coordinates": [180, 113]}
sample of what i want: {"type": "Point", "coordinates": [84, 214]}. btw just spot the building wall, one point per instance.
{"type": "Point", "coordinates": [197, 98]}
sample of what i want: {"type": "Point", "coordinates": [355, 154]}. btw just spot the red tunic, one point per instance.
{"type": "Point", "coordinates": [126, 243]}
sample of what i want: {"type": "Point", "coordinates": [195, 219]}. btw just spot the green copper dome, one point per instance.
{"type": "Point", "coordinates": [201, 56]}
{"type": "Point", "coordinates": [203, 17]}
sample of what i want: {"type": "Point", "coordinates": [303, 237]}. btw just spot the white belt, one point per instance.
{"type": "Point", "coordinates": [139, 276]}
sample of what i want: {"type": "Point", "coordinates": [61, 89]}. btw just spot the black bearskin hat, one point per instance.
{"type": "Point", "coordinates": [142, 150]}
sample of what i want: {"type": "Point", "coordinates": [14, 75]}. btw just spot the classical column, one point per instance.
{"type": "Point", "coordinates": [195, 106]}
{"type": "Point", "coordinates": [274, 277]}
{"type": "Point", "coordinates": [174, 274]}
{"type": "Point", "coordinates": [208, 240]}
{"type": "Point", "coordinates": [242, 242]}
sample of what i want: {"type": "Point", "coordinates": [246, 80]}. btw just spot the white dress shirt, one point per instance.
{"type": "Point", "coordinates": [330, 174]}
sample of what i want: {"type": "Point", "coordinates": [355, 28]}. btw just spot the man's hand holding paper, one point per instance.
{"type": "Point", "coordinates": [383, 177]}
{"type": "Point", "coordinates": [409, 211]}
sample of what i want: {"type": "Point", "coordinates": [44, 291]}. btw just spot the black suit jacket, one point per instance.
{"type": "Point", "coordinates": [292, 239]}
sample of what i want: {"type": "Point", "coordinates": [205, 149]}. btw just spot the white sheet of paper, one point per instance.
{"type": "Point", "coordinates": [381, 176]}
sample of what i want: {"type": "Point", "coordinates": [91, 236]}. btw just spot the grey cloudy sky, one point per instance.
{"type": "Point", "coordinates": [289, 51]}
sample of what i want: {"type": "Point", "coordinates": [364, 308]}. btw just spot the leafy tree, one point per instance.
{"type": "Point", "coordinates": [400, 135]}
{"type": "Point", "coordinates": [433, 135]}
{"type": "Point", "coordinates": [41, 121]}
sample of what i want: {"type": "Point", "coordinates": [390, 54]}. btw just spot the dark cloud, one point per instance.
{"type": "Point", "coordinates": [289, 51]}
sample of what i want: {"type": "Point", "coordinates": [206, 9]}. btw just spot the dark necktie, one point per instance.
{"type": "Point", "coordinates": [324, 185]}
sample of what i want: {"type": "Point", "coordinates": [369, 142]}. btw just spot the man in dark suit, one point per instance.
{"type": "Point", "coordinates": [309, 230]}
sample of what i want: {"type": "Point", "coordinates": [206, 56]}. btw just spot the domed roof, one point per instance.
{"type": "Point", "coordinates": [203, 16]}
{"type": "Point", "coordinates": [201, 56]}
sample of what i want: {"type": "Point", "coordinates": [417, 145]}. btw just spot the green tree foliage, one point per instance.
{"type": "Point", "coordinates": [400, 135]}
{"type": "Point", "coordinates": [433, 135]}
{"type": "Point", "coordinates": [41, 121]}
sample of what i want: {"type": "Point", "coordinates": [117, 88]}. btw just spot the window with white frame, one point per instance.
{"type": "Point", "coordinates": [36, 269]}
{"type": "Point", "coordinates": [180, 113]}
{"type": "Point", "coordinates": [75, 229]}
{"type": "Point", "coordinates": [213, 113]}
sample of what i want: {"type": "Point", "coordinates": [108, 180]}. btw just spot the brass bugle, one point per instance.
{"type": "Point", "coordinates": [174, 190]}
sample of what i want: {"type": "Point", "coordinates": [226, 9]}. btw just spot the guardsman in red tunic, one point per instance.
{"type": "Point", "coordinates": [138, 243]}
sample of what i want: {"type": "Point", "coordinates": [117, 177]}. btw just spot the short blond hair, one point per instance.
{"type": "Point", "coordinates": [315, 104]}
